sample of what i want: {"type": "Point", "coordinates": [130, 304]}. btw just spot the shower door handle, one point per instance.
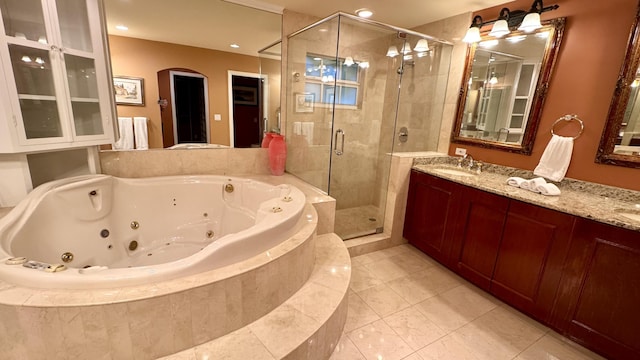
{"type": "Point", "coordinates": [335, 142]}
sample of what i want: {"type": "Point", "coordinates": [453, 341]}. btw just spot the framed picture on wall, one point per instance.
{"type": "Point", "coordinates": [304, 102]}
{"type": "Point", "coordinates": [129, 90]}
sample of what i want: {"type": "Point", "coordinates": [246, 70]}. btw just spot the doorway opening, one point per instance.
{"type": "Point", "coordinates": [247, 108]}
{"type": "Point", "coordinates": [184, 100]}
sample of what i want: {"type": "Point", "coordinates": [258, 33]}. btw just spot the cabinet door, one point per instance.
{"type": "Point", "coordinates": [478, 236]}
{"type": "Point", "coordinates": [56, 74]}
{"type": "Point", "coordinates": [84, 69]}
{"type": "Point", "coordinates": [599, 294]}
{"type": "Point", "coordinates": [430, 216]}
{"type": "Point", "coordinates": [530, 258]}
{"type": "Point", "coordinates": [30, 72]}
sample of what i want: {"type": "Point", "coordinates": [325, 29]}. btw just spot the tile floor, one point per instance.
{"type": "Point", "coordinates": [404, 305]}
{"type": "Point", "coordinates": [355, 222]}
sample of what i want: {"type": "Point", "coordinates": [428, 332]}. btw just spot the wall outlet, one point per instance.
{"type": "Point", "coordinates": [461, 151]}
{"type": "Point", "coordinates": [217, 117]}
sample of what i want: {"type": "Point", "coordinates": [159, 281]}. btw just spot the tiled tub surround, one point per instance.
{"type": "Point", "coordinates": [593, 201]}
{"type": "Point", "coordinates": [307, 326]}
{"type": "Point", "coordinates": [149, 321]}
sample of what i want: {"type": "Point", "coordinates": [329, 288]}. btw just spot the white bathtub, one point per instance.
{"type": "Point", "coordinates": [136, 231]}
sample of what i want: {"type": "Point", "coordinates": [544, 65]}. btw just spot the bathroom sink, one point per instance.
{"type": "Point", "coordinates": [629, 214]}
{"type": "Point", "coordinates": [454, 172]}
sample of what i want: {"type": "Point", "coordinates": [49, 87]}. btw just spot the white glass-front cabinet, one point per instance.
{"type": "Point", "coordinates": [55, 86]}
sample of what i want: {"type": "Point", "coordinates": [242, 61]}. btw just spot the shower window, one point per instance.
{"type": "Point", "coordinates": [332, 80]}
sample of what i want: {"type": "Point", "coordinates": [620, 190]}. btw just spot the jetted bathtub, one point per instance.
{"type": "Point", "coordinates": [111, 232]}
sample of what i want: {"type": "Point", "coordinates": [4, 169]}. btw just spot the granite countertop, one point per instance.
{"type": "Point", "coordinates": [593, 201]}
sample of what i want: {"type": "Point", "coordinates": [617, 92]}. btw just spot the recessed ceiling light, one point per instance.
{"type": "Point", "coordinates": [122, 27]}
{"type": "Point", "coordinates": [364, 13]}
{"type": "Point", "coordinates": [235, 46]}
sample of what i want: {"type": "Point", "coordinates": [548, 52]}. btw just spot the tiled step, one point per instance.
{"type": "Point", "coordinates": [306, 326]}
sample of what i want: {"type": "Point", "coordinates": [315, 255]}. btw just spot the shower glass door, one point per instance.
{"type": "Point", "coordinates": [364, 95]}
{"type": "Point", "coordinates": [345, 78]}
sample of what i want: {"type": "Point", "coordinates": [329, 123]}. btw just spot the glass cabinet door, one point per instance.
{"type": "Point", "coordinates": [24, 19]}
{"type": "Point", "coordinates": [80, 66]}
{"type": "Point", "coordinates": [83, 88]}
{"type": "Point", "coordinates": [73, 18]}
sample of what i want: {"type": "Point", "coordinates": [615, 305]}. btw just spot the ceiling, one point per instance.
{"type": "Point", "coordinates": [215, 24]}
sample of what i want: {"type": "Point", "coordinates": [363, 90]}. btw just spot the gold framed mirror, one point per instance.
{"type": "Point", "coordinates": [620, 142]}
{"type": "Point", "coordinates": [504, 86]}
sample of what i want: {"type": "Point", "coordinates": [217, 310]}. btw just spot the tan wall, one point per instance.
{"type": "Point", "coordinates": [583, 82]}
{"type": "Point", "coordinates": [144, 58]}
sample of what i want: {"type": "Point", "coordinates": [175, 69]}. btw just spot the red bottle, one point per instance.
{"type": "Point", "coordinates": [267, 139]}
{"type": "Point", "coordinates": [277, 154]}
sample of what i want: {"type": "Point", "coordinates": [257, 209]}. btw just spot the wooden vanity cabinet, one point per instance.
{"type": "Point", "coordinates": [578, 276]}
{"type": "Point", "coordinates": [598, 302]}
{"type": "Point", "coordinates": [431, 214]}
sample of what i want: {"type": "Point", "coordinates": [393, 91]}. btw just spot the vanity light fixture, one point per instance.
{"type": "Point", "coordinates": [392, 52]}
{"type": "Point", "coordinates": [42, 40]}
{"type": "Point", "coordinates": [26, 59]}
{"type": "Point", "coordinates": [526, 21]}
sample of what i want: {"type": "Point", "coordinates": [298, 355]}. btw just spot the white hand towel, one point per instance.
{"type": "Point", "coordinates": [125, 126]}
{"type": "Point", "coordinates": [307, 131]}
{"type": "Point", "coordinates": [555, 158]}
{"type": "Point", "coordinates": [533, 184]}
{"type": "Point", "coordinates": [141, 132]}
{"type": "Point", "coordinates": [515, 181]}
{"type": "Point", "coordinates": [549, 189]}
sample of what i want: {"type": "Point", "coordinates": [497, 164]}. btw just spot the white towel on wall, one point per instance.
{"type": "Point", "coordinates": [307, 131]}
{"type": "Point", "coordinates": [555, 158]}
{"type": "Point", "coordinates": [141, 132]}
{"type": "Point", "coordinates": [125, 126]}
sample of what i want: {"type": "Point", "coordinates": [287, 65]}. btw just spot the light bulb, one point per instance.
{"type": "Point", "coordinates": [393, 51]}
{"type": "Point", "coordinates": [473, 35]}
{"type": "Point", "coordinates": [348, 61]}
{"type": "Point", "coordinates": [530, 23]}
{"type": "Point", "coordinates": [421, 46]}
{"type": "Point", "coordinates": [500, 28]}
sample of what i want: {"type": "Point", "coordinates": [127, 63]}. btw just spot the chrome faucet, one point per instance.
{"type": "Point", "coordinates": [470, 163]}
{"type": "Point", "coordinates": [465, 157]}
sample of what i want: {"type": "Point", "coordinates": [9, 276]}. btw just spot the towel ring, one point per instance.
{"type": "Point", "coordinates": [569, 118]}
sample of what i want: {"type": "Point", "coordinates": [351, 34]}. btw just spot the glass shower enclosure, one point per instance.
{"type": "Point", "coordinates": [357, 91]}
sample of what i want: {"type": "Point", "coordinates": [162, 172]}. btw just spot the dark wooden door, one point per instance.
{"type": "Point", "coordinates": [247, 110]}
{"type": "Point", "coordinates": [479, 230]}
{"type": "Point", "coordinates": [531, 257]}
{"type": "Point", "coordinates": [598, 301]}
{"type": "Point", "coordinates": [431, 212]}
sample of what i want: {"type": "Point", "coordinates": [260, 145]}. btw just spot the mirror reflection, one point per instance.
{"type": "Point", "coordinates": [499, 104]}
{"type": "Point", "coordinates": [628, 138]}
{"type": "Point", "coordinates": [198, 88]}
